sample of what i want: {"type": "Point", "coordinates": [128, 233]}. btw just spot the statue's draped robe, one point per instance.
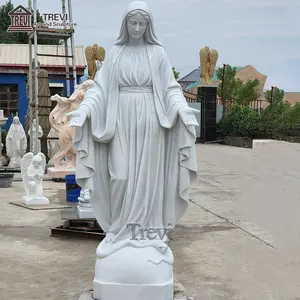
{"type": "Point", "coordinates": [134, 152]}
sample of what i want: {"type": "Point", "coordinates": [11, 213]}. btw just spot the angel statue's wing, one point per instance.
{"type": "Point", "coordinates": [213, 62]}
{"type": "Point", "coordinates": [99, 53]}
{"type": "Point", "coordinates": [25, 162]}
{"type": "Point", "coordinates": [90, 59]}
{"type": "Point", "coordinates": [42, 155]}
{"type": "Point", "coordinates": [203, 63]}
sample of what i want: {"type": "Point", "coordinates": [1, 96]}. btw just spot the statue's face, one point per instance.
{"type": "Point", "coordinates": [136, 26]}
{"type": "Point", "coordinates": [36, 163]}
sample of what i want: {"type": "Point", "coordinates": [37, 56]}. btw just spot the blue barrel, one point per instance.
{"type": "Point", "coordinates": [72, 188]}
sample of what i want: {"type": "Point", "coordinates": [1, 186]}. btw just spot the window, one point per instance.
{"type": "Point", "coordinates": [9, 98]}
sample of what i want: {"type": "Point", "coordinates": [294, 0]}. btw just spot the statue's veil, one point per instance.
{"type": "Point", "coordinates": [149, 35]}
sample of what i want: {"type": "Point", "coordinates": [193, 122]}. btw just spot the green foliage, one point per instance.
{"type": "Point", "coordinates": [229, 83]}
{"type": "Point", "coordinates": [234, 90]}
{"type": "Point", "coordinates": [276, 121]}
{"type": "Point", "coordinates": [240, 121]}
{"type": "Point", "coordinates": [18, 37]}
{"type": "Point", "coordinates": [277, 96]}
{"type": "Point", "coordinates": [176, 74]}
{"type": "Point", "coordinates": [246, 92]}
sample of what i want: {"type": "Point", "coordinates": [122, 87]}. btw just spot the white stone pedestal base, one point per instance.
{"type": "Point", "coordinates": [35, 201]}
{"type": "Point", "coordinates": [85, 212]}
{"type": "Point", "coordinates": [114, 291]}
{"type": "Point", "coordinates": [135, 274]}
{"type": "Point", "coordinates": [89, 296]}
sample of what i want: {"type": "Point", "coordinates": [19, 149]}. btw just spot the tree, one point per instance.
{"type": "Point", "coordinates": [18, 37]}
{"type": "Point", "coordinates": [234, 90]}
{"type": "Point", "coordinates": [276, 97]}
{"type": "Point", "coordinates": [176, 74]}
{"type": "Point", "coordinates": [227, 94]}
{"type": "Point", "coordinates": [246, 92]}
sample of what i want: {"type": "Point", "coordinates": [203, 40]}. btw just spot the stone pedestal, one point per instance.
{"type": "Point", "coordinates": [35, 201]}
{"type": "Point", "coordinates": [89, 296]}
{"type": "Point", "coordinates": [85, 212]}
{"type": "Point", "coordinates": [59, 173]}
{"type": "Point", "coordinates": [84, 207]}
{"type": "Point", "coordinates": [148, 276]}
{"type": "Point", "coordinates": [207, 95]}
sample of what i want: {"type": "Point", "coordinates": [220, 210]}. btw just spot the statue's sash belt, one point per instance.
{"type": "Point", "coordinates": [136, 89]}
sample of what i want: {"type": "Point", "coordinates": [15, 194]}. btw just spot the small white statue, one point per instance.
{"type": "Point", "coordinates": [53, 145]}
{"type": "Point", "coordinates": [16, 143]}
{"type": "Point", "coordinates": [33, 170]}
{"type": "Point", "coordinates": [36, 136]}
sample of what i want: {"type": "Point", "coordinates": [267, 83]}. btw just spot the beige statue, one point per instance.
{"type": "Point", "coordinates": [94, 54]}
{"type": "Point", "coordinates": [43, 98]}
{"type": "Point", "coordinates": [208, 62]}
{"type": "Point", "coordinates": [66, 157]}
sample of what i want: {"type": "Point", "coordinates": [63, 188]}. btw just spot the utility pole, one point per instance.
{"type": "Point", "coordinates": [271, 97]}
{"type": "Point", "coordinates": [222, 91]}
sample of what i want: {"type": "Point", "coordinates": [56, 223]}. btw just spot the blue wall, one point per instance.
{"type": "Point", "coordinates": [20, 80]}
{"type": "Point", "coordinates": [65, 83]}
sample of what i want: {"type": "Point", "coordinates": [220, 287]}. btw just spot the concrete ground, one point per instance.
{"type": "Point", "coordinates": [239, 239]}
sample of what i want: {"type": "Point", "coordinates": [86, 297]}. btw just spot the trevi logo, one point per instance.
{"type": "Point", "coordinates": [20, 20]}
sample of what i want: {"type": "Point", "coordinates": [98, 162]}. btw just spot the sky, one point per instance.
{"type": "Point", "coordinates": [261, 33]}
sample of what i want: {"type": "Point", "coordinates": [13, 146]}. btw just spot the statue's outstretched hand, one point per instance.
{"type": "Point", "coordinates": [78, 118]}
{"type": "Point", "coordinates": [187, 115]}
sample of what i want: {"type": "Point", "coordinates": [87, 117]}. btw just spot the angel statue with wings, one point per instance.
{"type": "Point", "coordinates": [94, 56]}
{"type": "Point", "coordinates": [33, 170]}
{"type": "Point", "coordinates": [208, 62]}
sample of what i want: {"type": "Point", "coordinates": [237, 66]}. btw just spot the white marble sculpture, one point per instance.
{"type": "Point", "coordinates": [53, 145]}
{"type": "Point", "coordinates": [135, 141]}
{"type": "Point", "coordinates": [2, 123]}
{"type": "Point", "coordinates": [65, 158]}
{"type": "Point", "coordinates": [32, 170]}
{"type": "Point", "coordinates": [36, 136]}
{"type": "Point", "coordinates": [16, 143]}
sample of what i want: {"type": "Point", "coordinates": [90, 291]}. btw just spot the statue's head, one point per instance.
{"type": "Point", "coordinates": [16, 120]}
{"type": "Point", "coordinates": [37, 161]}
{"type": "Point", "coordinates": [137, 23]}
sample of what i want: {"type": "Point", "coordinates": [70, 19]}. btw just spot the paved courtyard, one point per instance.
{"type": "Point", "coordinates": [239, 240]}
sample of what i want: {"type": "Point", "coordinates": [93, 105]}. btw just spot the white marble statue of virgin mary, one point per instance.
{"type": "Point", "coordinates": [135, 140]}
{"type": "Point", "coordinates": [16, 143]}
